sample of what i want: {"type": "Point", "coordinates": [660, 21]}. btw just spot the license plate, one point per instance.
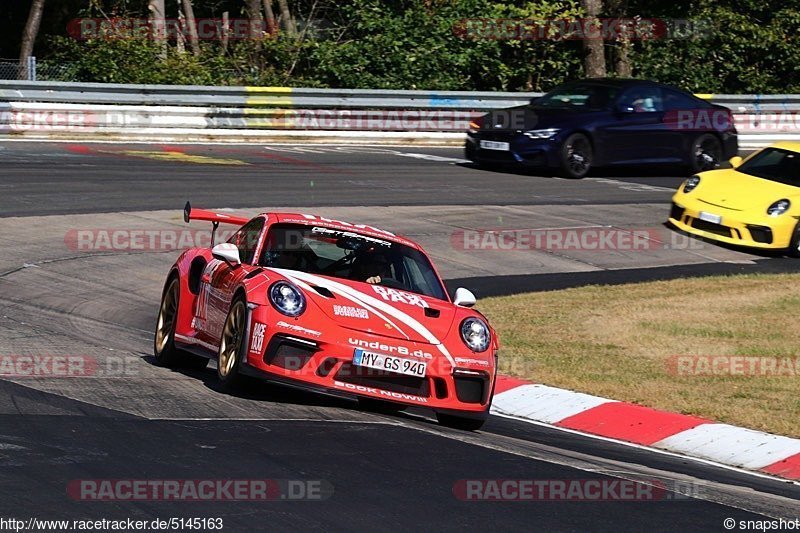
{"type": "Point", "coordinates": [390, 363]}
{"type": "Point", "coordinates": [710, 217]}
{"type": "Point", "coordinates": [495, 145]}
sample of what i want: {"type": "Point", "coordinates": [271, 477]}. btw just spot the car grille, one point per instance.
{"type": "Point", "coordinates": [497, 155]}
{"type": "Point", "coordinates": [368, 377]}
{"type": "Point", "coordinates": [497, 135]}
{"type": "Point", "coordinates": [762, 234]}
{"type": "Point", "coordinates": [710, 227]}
{"type": "Point", "coordinates": [471, 389]}
{"type": "Point", "coordinates": [285, 353]}
{"type": "Point", "coordinates": [676, 212]}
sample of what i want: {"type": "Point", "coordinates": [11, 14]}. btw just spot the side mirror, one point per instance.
{"type": "Point", "coordinates": [534, 100]}
{"type": "Point", "coordinates": [624, 108]}
{"type": "Point", "coordinates": [735, 161]}
{"type": "Point", "coordinates": [464, 298]}
{"type": "Point", "coordinates": [227, 252]}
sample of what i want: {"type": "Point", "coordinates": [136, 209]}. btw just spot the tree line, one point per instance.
{"type": "Point", "coordinates": [744, 46]}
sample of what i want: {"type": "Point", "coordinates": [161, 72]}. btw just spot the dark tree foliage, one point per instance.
{"type": "Point", "coordinates": [714, 46]}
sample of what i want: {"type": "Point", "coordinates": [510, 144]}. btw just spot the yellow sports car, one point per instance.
{"type": "Point", "coordinates": [756, 203]}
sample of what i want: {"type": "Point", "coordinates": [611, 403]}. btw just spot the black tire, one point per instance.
{"type": "Point", "coordinates": [380, 406]}
{"type": "Point", "coordinates": [576, 156]}
{"type": "Point", "coordinates": [794, 244]}
{"type": "Point", "coordinates": [164, 350]}
{"type": "Point", "coordinates": [705, 153]}
{"type": "Point", "coordinates": [460, 422]}
{"type": "Point", "coordinates": [231, 344]}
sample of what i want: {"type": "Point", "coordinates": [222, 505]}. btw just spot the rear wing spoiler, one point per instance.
{"type": "Point", "coordinates": [215, 218]}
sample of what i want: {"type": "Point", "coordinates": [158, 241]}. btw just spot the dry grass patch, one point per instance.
{"type": "Point", "coordinates": [617, 341]}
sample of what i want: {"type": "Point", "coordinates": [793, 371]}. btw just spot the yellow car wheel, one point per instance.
{"type": "Point", "coordinates": [794, 245]}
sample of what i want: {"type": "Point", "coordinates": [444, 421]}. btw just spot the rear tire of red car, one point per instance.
{"type": "Point", "coordinates": [705, 153]}
{"type": "Point", "coordinates": [460, 422]}
{"type": "Point", "coordinates": [231, 344]}
{"type": "Point", "coordinates": [794, 244]}
{"type": "Point", "coordinates": [164, 350]}
{"type": "Point", "coordinates": [576, 155]}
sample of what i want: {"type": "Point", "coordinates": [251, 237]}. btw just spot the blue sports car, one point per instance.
{"type": "Point", "coordinates": [602, 122]}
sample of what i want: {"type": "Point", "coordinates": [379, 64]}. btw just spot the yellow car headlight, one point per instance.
{"type": "Point", "coordinates": [690, 184]}
{"type": "Point", "coordinates": [778, 208]}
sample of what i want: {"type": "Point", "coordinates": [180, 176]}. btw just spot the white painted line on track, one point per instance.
{"type": "Point", "coordinates": [651, 450]}
{"type": "Point", "coordinates": [630, 186]}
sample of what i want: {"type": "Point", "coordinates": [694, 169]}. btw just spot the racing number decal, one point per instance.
{"type": "Point", "coordinates": [391, 295]}
{"type": "Point", "coordinates": [201, 303]}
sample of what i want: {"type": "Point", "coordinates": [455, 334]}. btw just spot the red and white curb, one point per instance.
{"type": "Point", "coordinates": [682, 434]}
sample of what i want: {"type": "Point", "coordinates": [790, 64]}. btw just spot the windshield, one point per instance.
{"type": "Point", "coordinates": [350, 255]}
{"type": "Point", "coordinates": [579, 96]}
{"type": "Point", "coordinates": [774, 164]}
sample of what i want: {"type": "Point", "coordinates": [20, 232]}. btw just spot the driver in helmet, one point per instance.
{"type": "Point", "coordinates": [371, 267]}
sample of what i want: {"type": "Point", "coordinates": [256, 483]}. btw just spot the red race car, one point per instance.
{"type": "Point", "coordinates": [341, 308]}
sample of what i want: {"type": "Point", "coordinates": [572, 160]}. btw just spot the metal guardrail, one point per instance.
{"type": "Point", "coordinates": [189, 95]}
{"type": "Point", "coordinates": [52, 109]}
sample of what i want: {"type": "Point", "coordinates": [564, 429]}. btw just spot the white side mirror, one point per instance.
{"type": "Point", "coordinates": [464, 298]}
{"type": "Point", "coordinates": [226, 252]}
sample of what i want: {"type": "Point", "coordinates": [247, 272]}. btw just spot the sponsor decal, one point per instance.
{"type": "Point", "coordinates": [349, 225]}
{"type": "Point", "coordinates": [389, 349]}
{"type": "Point", "coordinates": [337, 233]}
{"type": "Point", "coordinates": [392, 295]}
{"type": "Point", "coordinates": [298, 329]}
{"type": "Point", "coordinates": [373, 390]}
{"type": "Point", "coordinates": [470, 361]}
{"type": "Point", "coordinates": [258, 337]}
{"type": "Point", "coordinates": [350, 311]}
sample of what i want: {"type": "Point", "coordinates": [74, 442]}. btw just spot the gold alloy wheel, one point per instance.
{"type": "Point", "coordinates": [232, 335]}
{"type": "Point", "coordinates": [166, 316]}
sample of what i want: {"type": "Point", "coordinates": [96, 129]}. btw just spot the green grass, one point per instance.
{"type": "Point", "coordinates": [617, 341]}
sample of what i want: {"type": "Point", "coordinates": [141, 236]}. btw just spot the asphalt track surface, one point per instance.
{"type": "Point", "coordinates": [382, 473]}
{"type": "Point", "coordinates": [61, 178]}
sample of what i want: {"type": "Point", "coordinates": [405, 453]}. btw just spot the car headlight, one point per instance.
{"type": "Point", "coordinates": [476, 124]}
{"type": "Point", "coordinates": [287, 298]}
{"type": "Point", "coordinates": [690, 184]}
{"type": "Point", "coordinates": [779, 207]}
{"type": "Point", "coordinates": [549, 133]}
{"type": "Point", "coordinates": [475, 334]}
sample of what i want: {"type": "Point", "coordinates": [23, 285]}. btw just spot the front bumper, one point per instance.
{"type": "Point", "coordinates": [736, 227]}
{"type": "Point", "coordinates": [327, 366]}
{"type": "Point", "coordinates": [523, 150]}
